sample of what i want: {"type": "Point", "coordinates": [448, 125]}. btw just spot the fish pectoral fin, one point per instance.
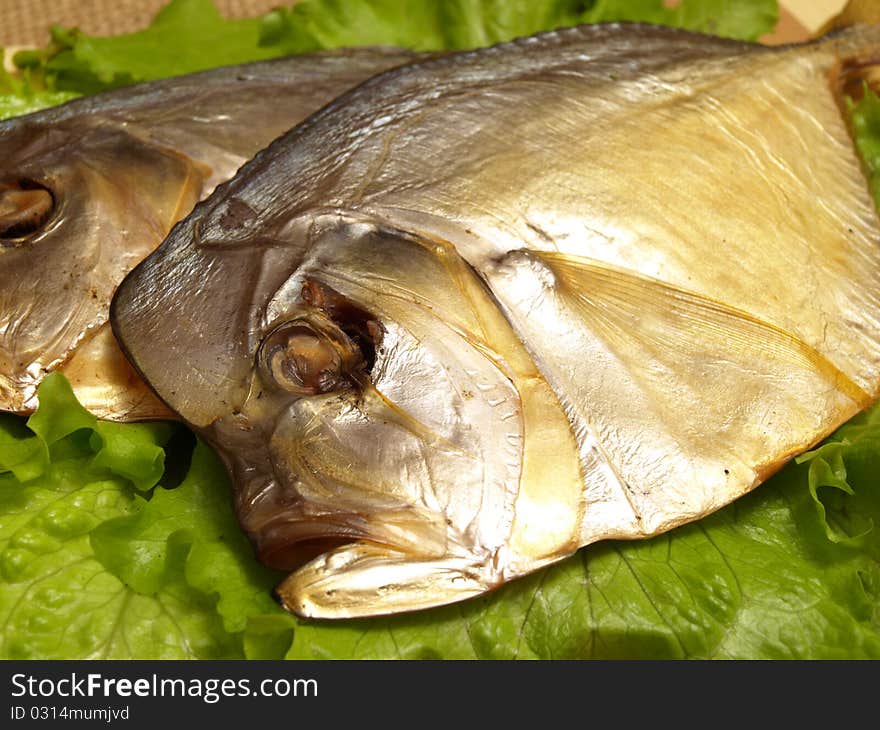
{"type": "Point", "coordinates": [363, 579]}
{"type": "Point", "coordinates": [638, 316]}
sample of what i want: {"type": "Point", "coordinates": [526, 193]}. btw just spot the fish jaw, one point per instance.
{"type": "Point", "coordinates": [350, 551]}
{"type": "Point", "coordinates": [360, 537]}
{"type": "Point", "coordinates": [363, 580]}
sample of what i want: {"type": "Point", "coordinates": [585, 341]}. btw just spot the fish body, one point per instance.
{"type": "Point", "coordinates": [90, 188]}
{"type": "Point", "coordinates": [486, 309]}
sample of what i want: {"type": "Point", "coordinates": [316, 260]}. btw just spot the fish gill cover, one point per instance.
{"type": "Point", "coordinates": [119, 541]}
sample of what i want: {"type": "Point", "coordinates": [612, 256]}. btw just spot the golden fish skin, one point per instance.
{"type": "Point", "coordinates": [486, 309]}
{"type": "Point", "coordinates": [90, 188]}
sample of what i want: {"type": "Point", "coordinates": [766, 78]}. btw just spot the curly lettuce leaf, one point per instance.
{"type": "Point", "coordinates": [318, 24]}
{"type": "Point", "coordinates": [93, 564]}
{"type": "Point", "coordinates": [194, 520]}
{"type": "Point", "coordinates": [16, 104]}
{"type": "Point", "coordinates": [26, 92]}
{"type": "Point", "coordinates": [746, 21]}
{"type": "Point", "coordinates": [185, 36]}
{"type": "Point", "coordinates": [865, 115]}
{"type": "Point", "coordinates": [456, 24]}
{"type": "Point", "coordinates": [848, 516]}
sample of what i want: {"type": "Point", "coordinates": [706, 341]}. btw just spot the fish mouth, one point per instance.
{"type": "Point", "coordinates": [289, 541]}
{"type": "Point", "coordinates": [289, 529]}
{"type": "Point", "coordinates": [295, 508]}
{"type": "Point", "coordinates": [339, 563]}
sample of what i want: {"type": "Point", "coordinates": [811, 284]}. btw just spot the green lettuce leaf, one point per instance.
{"type": "Point", "coordinates": [194, 520]}
{"type": "Point", "coordinates": [25, 93]}
{"type": "Point", "coordinates": [455, 24]}
{"type": "Point", "coordinates": [731, 18]}
{"type": "Point", "coordinates": [89, 560]}
{"type": "Point", "coordinates": [185, 36]}
{"type": "Point", "coordinates": [865, 114]}
{"type": "Point", "coordinates": [17, 104]}
{"type": "Point", "coordinates": [94, 565]}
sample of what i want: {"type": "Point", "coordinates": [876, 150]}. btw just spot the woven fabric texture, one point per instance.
{"type": "Point", "coordinates": [26, 22]}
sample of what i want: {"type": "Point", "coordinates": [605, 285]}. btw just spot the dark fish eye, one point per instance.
{"type": "Point", "coordinates": [308, 356]}
{"type": "Point", "coordinates": [25, 206]}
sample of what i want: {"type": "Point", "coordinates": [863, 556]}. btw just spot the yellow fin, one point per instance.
{"type": "Point", "coordinates": [665, 319]}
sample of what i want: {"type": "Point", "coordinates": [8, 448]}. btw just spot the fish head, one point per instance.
{"type": "Point", "coordinates": [81, 202]}
{"type": "Point", "coordinates": [365, 393]}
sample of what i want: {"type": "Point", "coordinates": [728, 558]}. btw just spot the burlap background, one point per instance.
{"type": "Point", "coordinates": [25, 22]}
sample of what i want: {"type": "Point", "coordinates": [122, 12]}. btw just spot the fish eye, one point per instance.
{"type": "Point", "coordinates": [25, 206]}
{"type": "Point", "coordinates": [308, 356]}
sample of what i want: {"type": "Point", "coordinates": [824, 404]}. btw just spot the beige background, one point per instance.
{"type": "Point", "coordinates": [25, 22]}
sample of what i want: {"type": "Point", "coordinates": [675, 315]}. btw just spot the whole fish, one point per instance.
{"type": "Point", "coordinates": [486, 309]}
{"type": "Point", "coordinates": [89, 188]}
